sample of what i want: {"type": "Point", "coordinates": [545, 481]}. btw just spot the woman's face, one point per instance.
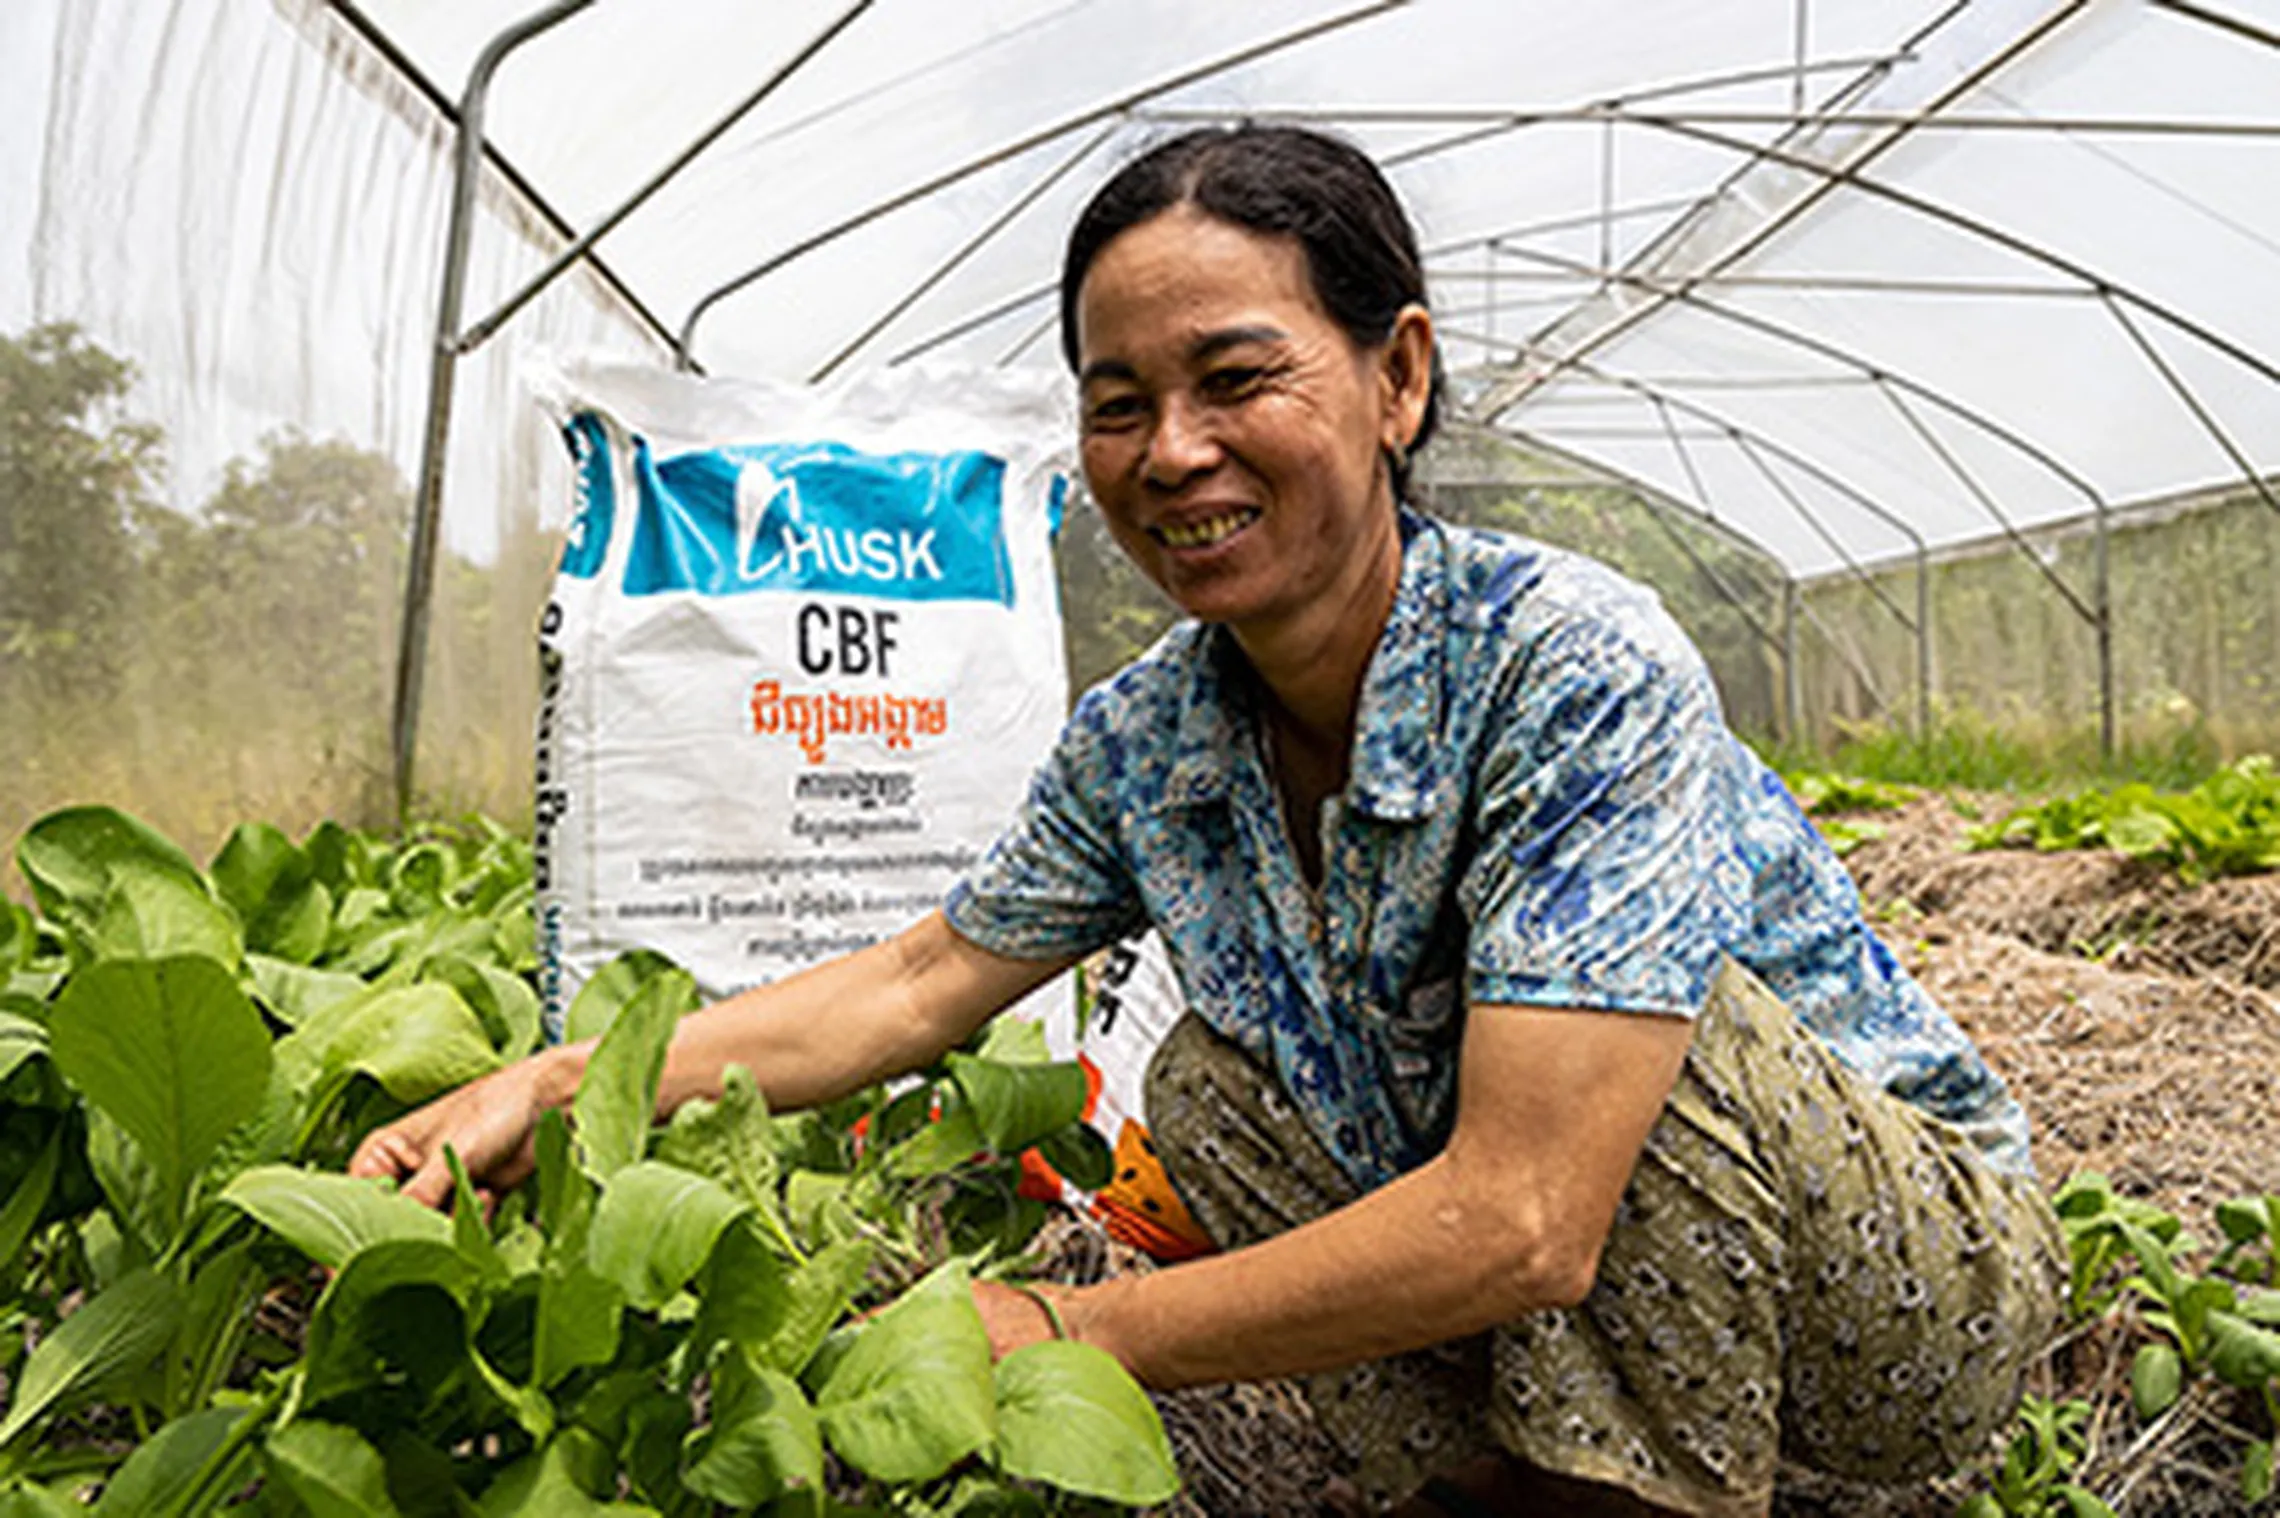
{"type": "Point", "coordinates": [1231, 431]}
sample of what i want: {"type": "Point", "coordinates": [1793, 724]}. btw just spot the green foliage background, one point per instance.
{"type": "Point", "coordinates": [231, 660]}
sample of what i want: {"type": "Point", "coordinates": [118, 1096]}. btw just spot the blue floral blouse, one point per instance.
{"type": "Point", "coordinates": [1545, 807]}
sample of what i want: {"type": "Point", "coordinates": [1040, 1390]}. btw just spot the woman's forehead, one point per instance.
{"type": "Point", "coordinates": [1185, 281]}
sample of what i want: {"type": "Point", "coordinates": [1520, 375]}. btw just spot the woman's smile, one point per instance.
{"type": "Point", "coordinates": [1205, 532]}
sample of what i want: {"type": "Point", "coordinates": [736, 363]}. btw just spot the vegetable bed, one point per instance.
{"type": "Point", "coordinates": [733, 1310]}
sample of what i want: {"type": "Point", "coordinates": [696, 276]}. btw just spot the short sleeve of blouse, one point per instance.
{"type": "Point", "coordinates": [1606, 873]}
{"type": "Point", "coordinates": [1054, 883]}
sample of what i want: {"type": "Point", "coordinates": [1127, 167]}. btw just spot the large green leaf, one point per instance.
{"type": "Point", "coordinates": [578, 1310]}
{"type": "Point", "coordinates": [330, 1217]}
{"type": "Point", "coordinates": [728, 1139]}
{"type": "Point", "coordinates": [296, 993]}
{"type": "Point", "coordinates": [1018, 1104]}
{"type": "Point", "coordinates": [913, 1395]}
{"type": "Point", "coordinates": [763, 1441]}
{"type": "Point", "coordinates": [116, 1333]}
{"type": "Point", "coordinates": [395, 1316]}
{"type": "Point", "coordinates": [559, 1482]}
{"type": "Point", "coordinates": [169, 1049]}
{"type": "Point", "coordinates": [416, 1041]}
{"type": "Point", "coordinates": [733, 1141]}
{"type": "Point", "coordinates": [21, 1212]}
{"type": "Point", "coordinates": [815, 1296]}
{"type": "Point", "coordinates": [743, 1293]}
{"type": "Point", "coordinates": [949, 1141]}
{"type": "Point", "coordinates": [331, 1471]}
{"type": "Point", "coordinates": [1014, 1041]}
{"type": "Point", "coordinates": [69, 857]}
{"type": "Point", "coordinates": [506, 1004]}
{"type": "Point", "coordinates": [1069, 1416]}
{"type": "Point", "coordinates": [601, 998]}
{"type": "Point", "coordinates": [654, 1229]}
{"type": "Point", "coordinates": [155, 1481]}
{"type": "Point", "coordinates": [617, 1097]}
{"type": "Point", "coordinates": [2241, 1353]}
{"type": "Point", "coordinates": [150, 913]}
{"type": "Point", "coordinates": [272, 886]}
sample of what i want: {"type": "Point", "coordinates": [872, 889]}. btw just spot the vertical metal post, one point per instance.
{"type": "Point", "coordinates": [1923, 644]}
{"type": "Point", "coordinates": [2105, 631]}
{"type": "Point", "coordinates": [1791, 680]}
{"type": "Point", "coordinates": [427, 516]}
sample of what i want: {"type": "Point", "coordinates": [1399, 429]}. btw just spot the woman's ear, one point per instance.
{"type": "Point", "coordinates": [1405, 375]}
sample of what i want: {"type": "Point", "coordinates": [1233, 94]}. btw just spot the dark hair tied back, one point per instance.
{"type": "Point", "coordinates": [1361, 252]}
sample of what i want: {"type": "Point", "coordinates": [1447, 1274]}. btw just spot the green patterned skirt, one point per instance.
{"type": "Point", "coordinates": [1803, 1265]}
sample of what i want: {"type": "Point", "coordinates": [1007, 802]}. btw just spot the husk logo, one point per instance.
{"type": "Point", "coordinates": [822, 517]}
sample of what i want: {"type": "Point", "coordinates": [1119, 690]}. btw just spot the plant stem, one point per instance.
{"type": "Point", "coordinates": [217, 1465]}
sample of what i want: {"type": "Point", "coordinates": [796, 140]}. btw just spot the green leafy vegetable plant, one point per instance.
{"type": "Point", "coordinates": [734, 1309]}
{"type": "Point", "coordinates": [2227, 825]}
{"type": "Point", "coordinates": [2031, 1480]}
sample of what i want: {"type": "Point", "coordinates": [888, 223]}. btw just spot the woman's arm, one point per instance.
{"type": "Point", "coordinates": [1553, 1107]}
{"type": "Point", "coordinates": [820, 1034]}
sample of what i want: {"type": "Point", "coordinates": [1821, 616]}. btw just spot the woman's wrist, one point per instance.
{"type": "Point", "coordinates": [1100, 1316]}
{"type": "Point", "coordinates": [558, 1073]}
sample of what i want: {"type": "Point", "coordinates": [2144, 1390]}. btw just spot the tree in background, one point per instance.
{"type": "Point", "coordinates": [76, 476]}
{"type": "Point", "coordinates": [285, 580]}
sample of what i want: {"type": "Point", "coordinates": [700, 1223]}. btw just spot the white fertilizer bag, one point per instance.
{"type": "Point", "coordinates": [803, 652]}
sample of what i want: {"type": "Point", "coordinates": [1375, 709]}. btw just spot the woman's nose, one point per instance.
{"type": "Point", "coordinates": [1180, 445]}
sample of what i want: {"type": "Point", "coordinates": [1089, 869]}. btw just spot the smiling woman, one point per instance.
{"type": "Point", "coordinates": [1557, 1112]}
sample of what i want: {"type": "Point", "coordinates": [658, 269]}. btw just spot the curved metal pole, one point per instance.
{"type": "Point", "coordinates": [1702, 490]}
{"type": "Point", "coordinates": [483, 330]}
{"type": "Point", "coordinates": [1598, 472]}
{"type": "Point", "coordinates": [1812, 519]}
{"type": "Point", "coordinates": [2193, 403]}
{"type": "Point", "coordinates": [1961, 221]}
{"type": "Point", "coordinates": [1119, 106]}
{"type": "Point", "coordinates": [1755, 154]}
{"type": "Point", "coordinates": [351, 15]}
{"type": "Point", "coordinates": [1884, 378]}
{"type": "Point", "coordinates": [2099, 615]}
{"type": "Point", "coordinates": [2234, 24]}
{"type": "Point", "coordinates": [1665, 401]}
{"type": "Point", "coordinates": [427, 513]}
{"type": "Point", "coordinates": [1914, 625]}
{"type": "Point", "coordinates": [1500, 119]}
{"type": "Point", "coordinates": [966, 250]}
{"type": "Point", "coordinates": [973, 323]}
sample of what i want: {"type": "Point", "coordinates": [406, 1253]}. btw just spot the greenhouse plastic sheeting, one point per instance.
{"type": "Point", "coordinates": [1863, 282]}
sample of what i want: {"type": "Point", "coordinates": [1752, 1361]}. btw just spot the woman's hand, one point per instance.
{"type": "Point", "coordinates": [818, 1035]}
{"type": "Point", "coordinates": [1017, 1316]}
{"type": "Point", "coordinates": [490, 1122]}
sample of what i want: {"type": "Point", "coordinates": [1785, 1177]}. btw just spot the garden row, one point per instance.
{"type": "Point", "coordinates": [766, 1313]}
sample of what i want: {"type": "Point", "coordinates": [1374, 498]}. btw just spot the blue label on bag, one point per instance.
{"type": "Point", "coordinates": [821, 517]}
{"type": "Point", "coordinates": [587, 541]}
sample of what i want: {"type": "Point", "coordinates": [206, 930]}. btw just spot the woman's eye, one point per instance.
{"type": "Point", "coordinates": [1232, 383]}
{"type": "Point", "coordinates": [1112, 410]}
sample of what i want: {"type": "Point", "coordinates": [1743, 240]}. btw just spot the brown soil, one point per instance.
{"type": "Point", "coordinates": [2098, 905]}
{"type": "Point", "coordinates": [2137, 1018]}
